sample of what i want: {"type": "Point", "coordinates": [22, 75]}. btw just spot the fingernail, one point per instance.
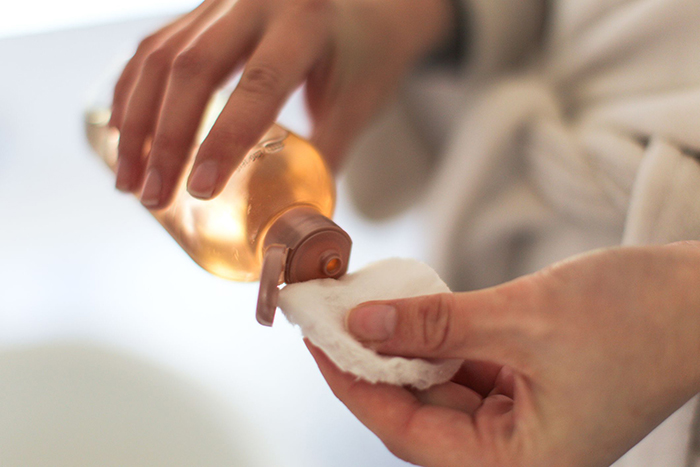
{"type": "Point", "coordinates": [372, 322]}
{"type": "Point", "coordinates": [204, 177]}
{"type": "Point", "coordinates": [151, 189]}
{"type": "Point", "coordinates": [123, 182]}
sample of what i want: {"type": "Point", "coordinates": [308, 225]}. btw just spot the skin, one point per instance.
{"type": "Point", "coordinates": [350, 55]}
{"type": "Point", "coordinates": [570, 366]}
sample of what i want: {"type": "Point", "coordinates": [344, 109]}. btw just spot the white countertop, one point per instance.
{"type": "Point", "coordinates": [80, 262]}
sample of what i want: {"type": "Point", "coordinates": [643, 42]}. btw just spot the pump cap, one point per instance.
{"type": "Point", "coordinates": [305, 245]}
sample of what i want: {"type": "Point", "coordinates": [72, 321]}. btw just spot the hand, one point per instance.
{"type": "Point", "coordinates": [349, 53]}
{"type": "Point", "coordinates": [571, 366]}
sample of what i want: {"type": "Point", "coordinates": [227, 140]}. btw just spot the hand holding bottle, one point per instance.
{"type": "Point", "coordinates": [582, 360]}
{"type": "Point", "coordinates": [350, 54]}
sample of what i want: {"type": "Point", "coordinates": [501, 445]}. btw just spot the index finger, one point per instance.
{"type": "Point", "coordinates": [196, 73]}
{"type": "Point", "coordinates": [280, 63]}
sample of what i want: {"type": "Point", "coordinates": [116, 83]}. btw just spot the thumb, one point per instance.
{"type": "Point", "coordinates": [490, 325]}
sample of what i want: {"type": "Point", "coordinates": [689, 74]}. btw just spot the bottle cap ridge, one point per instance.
{"type": "Point", "coordinates": [301, 245]}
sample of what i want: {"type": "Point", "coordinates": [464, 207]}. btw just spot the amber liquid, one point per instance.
{"type": "Point", "coordinates": [225, 235]}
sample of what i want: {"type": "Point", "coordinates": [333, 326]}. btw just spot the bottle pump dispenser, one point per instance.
{"type": "Point", "coordinates": [271, 222]}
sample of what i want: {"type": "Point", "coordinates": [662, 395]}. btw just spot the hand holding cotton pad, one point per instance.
{"type": "Point", "coordinates": [319, 308]}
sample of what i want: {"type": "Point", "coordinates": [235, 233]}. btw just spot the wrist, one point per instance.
{"type": "Point", "coordinates": [436, 28]}
{"type": "Point", "coordinates": [452, 51]}
{"type": "Point", "coordinates": [414, 28]}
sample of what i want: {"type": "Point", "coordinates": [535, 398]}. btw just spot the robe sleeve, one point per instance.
{"type": "Point", "coordinates": [391, 163]}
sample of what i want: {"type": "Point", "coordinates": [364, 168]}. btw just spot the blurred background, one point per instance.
{"type": "Point", "coordinates": [115, 347]}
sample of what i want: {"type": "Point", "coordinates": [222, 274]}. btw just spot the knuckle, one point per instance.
{"type": "Point", "coordinates": [147, 44]}
{"type": "Point", "coordinates": [542, 298]}
{"type": "Point", "coordinates": [225, 138]}
{"type": "Point", "coordinates": [159, 59]}
{"type": "Point", "coordinates": [120, 87]}
{"type": "Point", "coordinates": [685, 255]}
{"type": "Point", "coordinates": [167, 144]}
{"type": "Point", "coordinates": [126, 79]}
{"type": "Point", "coordinates": [189, 63]}
{"type": "Point", "coordinates": [397, 447]}
{"type": "Point", "coordinates": [314, 6]}
{"type": "Point", "coordinates": [119, 97]}
{"type": "Point", "coordinates": [131, 143]}
{"type": "Point", "coordinates": [435, 319]}
{"type": "Point", "coordinates": [688, 244]}
{"type": "Point", "coordinates": [260, 80]}
{"type": "Point", "coordinates": [132, 129]}
{"type": "Point", "coordinates": [545, 287]}
{"type": "Point", "coordinates": [127, 153]}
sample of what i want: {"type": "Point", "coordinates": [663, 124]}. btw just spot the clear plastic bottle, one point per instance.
{"type": "Point", "coordinates": [282, 186]}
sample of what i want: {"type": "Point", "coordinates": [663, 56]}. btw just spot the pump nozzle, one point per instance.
{"type": "Point", "coordinates": [301, 245]}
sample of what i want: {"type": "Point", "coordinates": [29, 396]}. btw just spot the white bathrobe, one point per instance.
{"type": "Point", "coordinates": [573, 125]}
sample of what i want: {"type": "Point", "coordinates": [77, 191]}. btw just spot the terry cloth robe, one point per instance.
{"type": "Point", "coordinates": [572, 125]}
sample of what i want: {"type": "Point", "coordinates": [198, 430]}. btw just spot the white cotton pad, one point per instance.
{"type": "Point", "coordinates": [319, 307]}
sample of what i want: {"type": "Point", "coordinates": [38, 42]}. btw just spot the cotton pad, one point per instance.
{"type": "Point", "coordinates": [319, 308]}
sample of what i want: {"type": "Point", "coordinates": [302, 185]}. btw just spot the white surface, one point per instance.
{"type": "Point", "coordinates": [79, 261]}
{"type": "Point", "coordinates": [319, 308]}
{"type": "Point", "coordinates": [39, 16]}
{"type": "Point", "coordinates": [82, 405]}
